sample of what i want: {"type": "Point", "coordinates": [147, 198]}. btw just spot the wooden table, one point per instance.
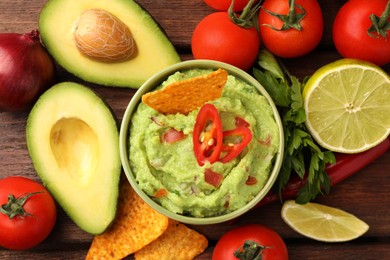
{"type": "Point", "coordinates": [365, 194]}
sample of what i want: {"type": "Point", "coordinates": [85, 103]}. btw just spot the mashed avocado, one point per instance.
{"type": "Point", "coordinates": [172, 167]}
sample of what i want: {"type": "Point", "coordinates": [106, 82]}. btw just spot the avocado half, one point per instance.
{"type": "Point", "coordinates": [73, 141]}
{"type": "Point", "coordinates": [154, 50]}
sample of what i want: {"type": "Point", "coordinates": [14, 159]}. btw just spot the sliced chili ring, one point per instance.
{"type": "Point", "coordinates": [231, 150]}
{"type": "Point", "coordinates": [207, 135]}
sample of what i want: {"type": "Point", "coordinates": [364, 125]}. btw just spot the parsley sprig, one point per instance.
{"type": "Point", "coordinates": [302, 155]}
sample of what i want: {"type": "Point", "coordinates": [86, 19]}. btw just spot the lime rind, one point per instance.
{"type": "Point", "coordinates": [322, 223]}
{"type": "Point", "coordinates": [347, 106]}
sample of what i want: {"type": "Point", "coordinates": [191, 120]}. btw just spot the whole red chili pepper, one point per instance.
{"type": "Point", "coordinates": [345, 166]}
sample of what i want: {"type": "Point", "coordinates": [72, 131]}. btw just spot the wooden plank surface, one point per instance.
{"type": "Point", "coordinates": [366, 194]}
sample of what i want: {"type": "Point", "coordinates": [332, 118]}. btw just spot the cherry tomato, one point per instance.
{"type": "Point", "coordinates": [236, 140]}
{"type": "Point", "coordinates": [350, 32]}
{"type": "Point", "coordinates": [262, 240]}
{"type": "Point", "coordinates": [216, 37]}
{"type": "Point", "coordinates": [291, 42]}
{"type": "Point", "coordinates": [207, 135]}
{"type": "Point", "coordinates": [27, 214]}
{"type": "Point", "coordinates": [223, 5]}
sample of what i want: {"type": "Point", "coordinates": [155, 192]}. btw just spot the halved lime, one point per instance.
{"type": "Point", "coordinates": [322, 223]}
{"type": "Point", "coordinates": [347, 105]}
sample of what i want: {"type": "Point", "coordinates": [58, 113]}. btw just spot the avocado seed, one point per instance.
{"type": "Point", "coordinates": [101, 36]}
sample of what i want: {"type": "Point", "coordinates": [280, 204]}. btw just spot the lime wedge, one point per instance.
{"type": "Point", "coordinates": [347, 106]}
{"type": "Point", "coordinates": [322, 223]}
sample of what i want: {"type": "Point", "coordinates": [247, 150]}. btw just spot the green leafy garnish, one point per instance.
{"type": "Point", "coordinates": [302, 155]}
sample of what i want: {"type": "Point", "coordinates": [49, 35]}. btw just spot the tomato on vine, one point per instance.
{"type": "Point", "coordinates": [27, 213]}
{"type": "Point", "coordinates": [361, 30]}
{"type": "Point", "coordinates": [290, 28]}
{"type": "Point", "coordinates": [223, 36]}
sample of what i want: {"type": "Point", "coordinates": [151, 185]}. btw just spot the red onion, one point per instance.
{"type": "Point", "coordinates": [26, 70]}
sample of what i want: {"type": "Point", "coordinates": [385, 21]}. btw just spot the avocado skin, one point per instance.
{"type": "Point", "coordinates": [63, 117]}
{"type": "Point", "coordinates": [155, 50]}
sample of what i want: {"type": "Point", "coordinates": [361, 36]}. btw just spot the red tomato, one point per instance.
{"type": "Point", "coordinates": [207, 136]}
{"type": "Point", "coordinates": [236, 140]}
{"type": "Point", "coordinates": [35, 217]}
{"type": "Point", "coordinates": [350, 32]}
{"type": "Point", "coordinates": [291, 43]}
{"type": "Point", "coordinates": [216, 37]}
{"type": "Point", "coordinates": [272, 245]}
{"type": "Point", "coordinates": [223, 5]}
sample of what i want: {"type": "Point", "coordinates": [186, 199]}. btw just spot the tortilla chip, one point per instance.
{"type": "Point", "coordinates": [135, 226]}
{"type": "Point", "coordinates": [178, 242]}
{"type": "Point", "coordinates": [187, 95]}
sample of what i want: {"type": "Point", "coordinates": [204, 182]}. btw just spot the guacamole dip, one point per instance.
{"type": "Point", "coordinates": [169, 172]}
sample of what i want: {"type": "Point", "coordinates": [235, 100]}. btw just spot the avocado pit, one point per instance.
{"type": "Point", "coordinates": [103, 37]}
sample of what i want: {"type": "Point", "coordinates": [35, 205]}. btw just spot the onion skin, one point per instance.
{"type": "Point", "coordinates": [26, 70]}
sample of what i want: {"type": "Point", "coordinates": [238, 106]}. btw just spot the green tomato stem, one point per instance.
{"type": "Point", "coordinates": [380, 25]}
{"type": "Point", "coordinates": [15, 206]}
{"type": "Point", "coordinates": [246, 19]}
{"type": "Point", "coordinates": [247, 9]}
{"type": "Point", "coordinates": [250, 251]}
{"type": "Point", "coordinates": [292, 14]}
{"type": "Point", "coordinates": [290, 21]}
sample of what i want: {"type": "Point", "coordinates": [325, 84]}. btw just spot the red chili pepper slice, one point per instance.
{"type": "Point", "coordinates": [346, 165]}
{"type": "Point", "coordinates": [237, 139]}
{"type": "Point", "coordinates": [207, 136]}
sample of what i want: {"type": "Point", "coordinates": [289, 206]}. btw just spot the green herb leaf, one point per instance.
{"type": "Point", "coordinates": [279, 92]}
{"type": "Point", "coordinates": [302, 155]}
{"type": "Point", "coordinates": [268, 62]}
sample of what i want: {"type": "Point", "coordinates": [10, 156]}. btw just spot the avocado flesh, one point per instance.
{"type": "Point", "coordinates": [154, 50]}
{"type": "Point", "coordinates": [73, 141]}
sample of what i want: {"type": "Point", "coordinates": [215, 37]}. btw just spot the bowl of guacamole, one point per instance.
{"type": "Point", "coordinates": [212, 164]}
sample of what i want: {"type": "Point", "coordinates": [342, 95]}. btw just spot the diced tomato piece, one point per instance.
{"type": "Point", "coordinates": [172, 135]}
{"type": "Point", "coordinates": [251, 180]}
{"type": "Point", "coordinates": [161, 193]}
{"type": "Point", "coordinates": [213, 178]}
